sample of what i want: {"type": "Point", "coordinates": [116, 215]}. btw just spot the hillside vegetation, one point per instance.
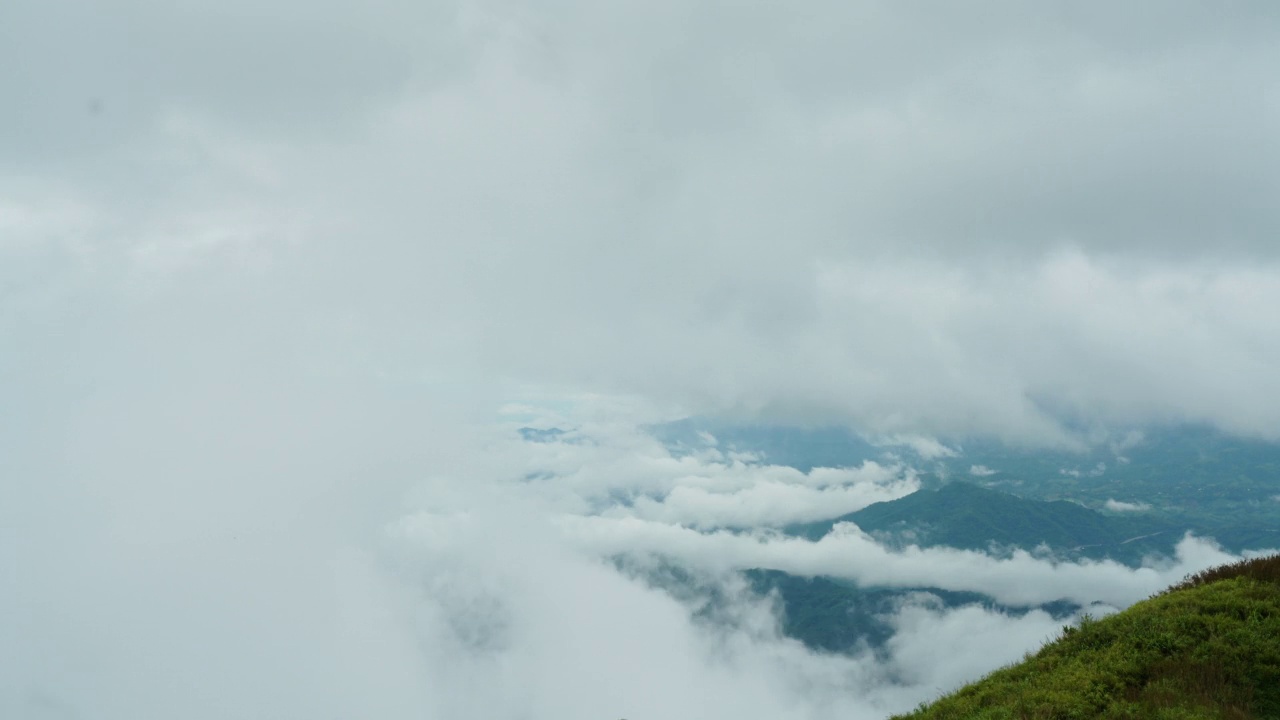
{"type": "Point", "coordinates": [1206, 648]}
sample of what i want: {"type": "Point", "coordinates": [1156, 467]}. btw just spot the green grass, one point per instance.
{"type": "Point", "coordinates": [1208, 647]}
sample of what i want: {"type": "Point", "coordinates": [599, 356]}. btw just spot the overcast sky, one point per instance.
{"type": "Point", "coordinates": [265, 267]}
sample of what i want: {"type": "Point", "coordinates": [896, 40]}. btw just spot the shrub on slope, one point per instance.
{"type": "Point", "coordinates": [1206, 648]}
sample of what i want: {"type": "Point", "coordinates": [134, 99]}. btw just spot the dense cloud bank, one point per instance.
{"type": "Point", "coordinates": [944, 222]}
{"type": "Point", "coordinates": [267, 273]}
{"type": "Point", "coordinates": [277, 583]}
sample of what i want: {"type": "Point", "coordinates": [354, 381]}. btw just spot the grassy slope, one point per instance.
{"type": "Point", "coordinates": [1208, 648]}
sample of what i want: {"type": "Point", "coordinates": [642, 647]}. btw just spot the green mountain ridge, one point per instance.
{"type": "Point", "coordinates": [838, 615]}
{"type": "Point", "coordinates": [964, 515]}
{"type": "Point", "coordinates": [1208, 648]}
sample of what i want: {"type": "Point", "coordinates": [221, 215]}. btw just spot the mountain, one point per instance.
{"type": "Point", "coordinates": [963, 515]}
{"type": "Point", "coordinates": [1193, 477]}
{"type": "Point", "coordinates": [1207, 648]}
{"type": "Point", "coordinates": [1223, 486]}
{"type": "Point", "coordinates": [840, 616]}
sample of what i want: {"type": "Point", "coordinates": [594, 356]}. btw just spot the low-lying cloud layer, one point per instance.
{"type": "Point", "coordinates": [495, 593]}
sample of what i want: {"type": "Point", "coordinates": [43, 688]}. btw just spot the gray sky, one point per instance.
{"type": "Point", "coordinates": [921, 220]}
{"type": "Point", "coordinates": [266, 267]}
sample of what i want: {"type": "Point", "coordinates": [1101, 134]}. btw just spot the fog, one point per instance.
{"type": "Point", "coordinates": [279, 284]}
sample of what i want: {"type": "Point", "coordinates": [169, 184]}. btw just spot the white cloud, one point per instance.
{"type": "Point", "coordinates": [261, 274]}
{"type": "Point", "coordinates": [1121, 506]}
{"type": "Point", "coordinates": [1019, 580]}
{"type": "Point", "coordinates": [981, 471]}
{"type": "Point", "coordinates": [926, 447]}
{"type": "Point", "coordinates": [526, 625]}
{"type": "Point", "coordinates": [1130, 440]}
{"type": "Point", "coordinates": [938, 648]}
{"type": "Point", "coordinates": [1097, 471]}
{"type": "Point", "coordinates": [665, 501]}
{"type": "Point", "coordinates": [764, 504]}
{"type": "Point", "coordinates": [369, 183]}
{"type": "Point", "coordinates": [490, 582]}
{"type": "Point", "coordinates": [708, 489]}
{"type": "Point", "coordinates": [526, 621]}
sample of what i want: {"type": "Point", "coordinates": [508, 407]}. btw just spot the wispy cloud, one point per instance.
{"type": "Point", "coordinates": [1120, 506]}
{"type": "Point", "coordinates": [926, 448]}
{"type": "Point", "coordinates": [850, 554]}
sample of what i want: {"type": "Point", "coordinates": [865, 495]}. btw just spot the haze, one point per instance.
{"type": "Point", "coordinates": [280, 283]}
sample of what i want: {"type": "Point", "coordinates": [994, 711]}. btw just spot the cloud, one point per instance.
{"type": "Point", "coordinates": [492, 595]}
{"type": "Point", "coordinates": [622, 472]}
{"type": "Point", "coordinates": [684, 509]}
{"type": "Point", "coordinates": [1097, 471]}
{"type": "Point", "coordinates": [765, 504]}
{"type": "Point", "coordinates": [1020, 579]}
{"type": "Point", "coordinates": [527, 628]}
{"type": "Point", "coordinates": [524, 172]}
{"type": "Point", "coordinates": [265, 276]}
{"type": "Point", "coordinates": [926, 447]}
{"type": "Point", "coordinates": [1120, 506]}
{"type": "Point", "coordinates": [981, 471]}
{"type": "Point", "coordinates": [939, 648]}
{"type": "Point", "coordinates": [647, 501]}
{"type": "Point", "coordinates": [273, 494]}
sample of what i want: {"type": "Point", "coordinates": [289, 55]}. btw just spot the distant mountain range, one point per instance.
{"type": "Point", "coordinates": [838, 615]}
{"type": "Point", "coordinates": [1188, 476]}
{"type": "Point", "coordinates": [1125, 497]}
{"type": "Point", "coordinates": [966, 516]}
